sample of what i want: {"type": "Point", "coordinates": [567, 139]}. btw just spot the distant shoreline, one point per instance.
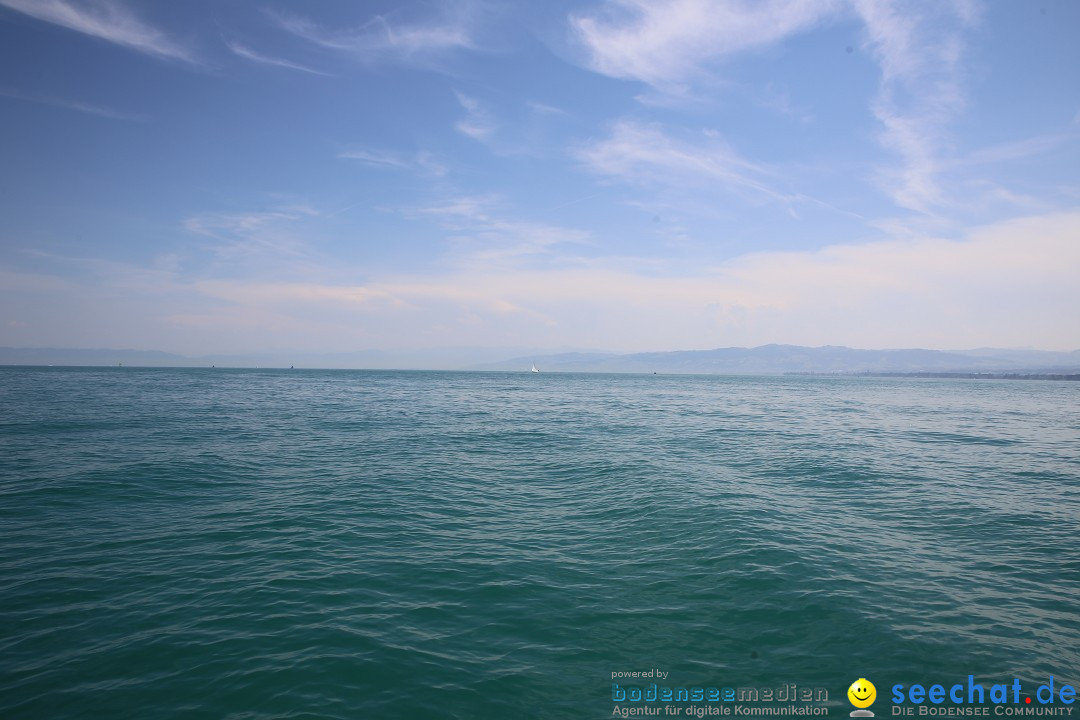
{"type": "Point", "coordinates": [802, 373]}
{"type": "Point", "coordinates": [985, 363]}
{"type": "Point", "coordinates": [949, 375]}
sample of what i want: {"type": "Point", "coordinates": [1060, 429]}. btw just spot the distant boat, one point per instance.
{"type": "Point", "coordinates": [534, 368]}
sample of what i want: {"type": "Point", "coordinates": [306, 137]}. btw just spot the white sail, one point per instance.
{"type": "Point", "coordinates": [534, 368]}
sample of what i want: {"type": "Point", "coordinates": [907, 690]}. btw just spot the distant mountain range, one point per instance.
{"type": "Point", "coordinates": [763, 360]}
{"type": "Point", "coordinates": [780, 359]}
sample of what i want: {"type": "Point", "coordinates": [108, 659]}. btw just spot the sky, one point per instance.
{"type": "Point", "coordinates": [228, 176]}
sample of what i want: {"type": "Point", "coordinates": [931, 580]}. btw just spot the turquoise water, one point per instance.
{"type": "Point", "coordinates": [338, 544]}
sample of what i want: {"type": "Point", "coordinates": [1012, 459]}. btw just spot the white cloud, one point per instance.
{"type": "Point", "coordinates": [545, 109]}
{"type": "Point", "coordinates": [214, 225]}
{"type": "Point", "coordinates": [918, 45]}
{"type": "Point", "coordinates": [423, 162]}
{"type": "Point", "coordinates": [249, 54]}
{"type": "Point", "coordinates": [76, 105]}
{"type": "Point", "coordinates": [478, 122]}
{"type": "Point", "coordinates": [378, 158]}
{"type": "Point", "coordinates": [105, 19]}
{"type": "Point", "coordinates": [264, 235]}
{"type": "Point", "coordinates": [919, 48]}
{"type": "Point", "coordinates": [476, 208]}
{"type": "Point", "coordinates": [1010, 284]}
{"type": "Point", "coordinates": [483, 237]}
{"type": "Point", "coordinates": [643, 153]}
{"type": "Point", "coordinates": [780, 101]}
{"type": "Point", "coordinates": [668, 43]}
{"type": "Point", "coordinates": [383, 40]}
{"type": "Point", "coordinates": [1016, 150]}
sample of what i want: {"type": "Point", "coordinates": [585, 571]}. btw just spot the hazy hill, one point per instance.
{"type": "Point", "coordinates": [445, 359]}
{"type": "Point", "coordinates": [778, 359]}
{"type": "Point", "coordinates": [763, 360]}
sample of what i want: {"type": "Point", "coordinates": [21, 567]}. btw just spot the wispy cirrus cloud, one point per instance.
{"type": "Point", "coordinates": [268, 234]}
{"type": "Point", "coordinates": [918, 45]}
{"type": "Point", "coordinates": [919, 48]}
{"type": "Point", "coordinates": [1015, 150]}
{"type": "Point", "coordinates": [544, 109]}
{"type": "Point", "coordinates": [76, 105]}
{"type": "Point", "coordinates": [423, 162]}
{"type": "Point", "coordinates": [478, 123]}
{"type": "Point", "coordinates": [645, 153]}
{"type": "Point", "coordinates": [256, 57]}
{"type": "Point", "coordinates": [107, 20]}
{"type": "Point", "coordinates": [481, 234]}
{"type": "Point", "coordinates": [377, 158]}
{"type": "Point", "coordinates": [667, 44]}
{"type": "Point", "coordinates": [384, 39]}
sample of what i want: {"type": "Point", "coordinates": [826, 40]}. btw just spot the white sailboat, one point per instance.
{"type": "Point", "coordinates": [534, 367]}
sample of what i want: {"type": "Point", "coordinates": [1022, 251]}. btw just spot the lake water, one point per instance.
{"type": "Point", "coordinates": [354, 544]}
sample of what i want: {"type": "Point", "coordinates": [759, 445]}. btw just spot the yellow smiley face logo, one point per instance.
{"type": "Point", "coordinates": [862, 693]}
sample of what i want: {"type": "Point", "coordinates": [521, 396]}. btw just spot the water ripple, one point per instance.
{"type": "Point", "coordinates": [263, 544]}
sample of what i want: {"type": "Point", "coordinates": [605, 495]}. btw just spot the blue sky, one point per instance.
{"type": "Point", "coordinates": [626, 175]}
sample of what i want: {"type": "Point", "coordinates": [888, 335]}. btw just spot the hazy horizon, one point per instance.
{"type": "Point", "coordinates": [770, 359]}
{"type": "Point", "coordinates": [420, 177]}
{"type": "Point", "coordinates": [549, 351]}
